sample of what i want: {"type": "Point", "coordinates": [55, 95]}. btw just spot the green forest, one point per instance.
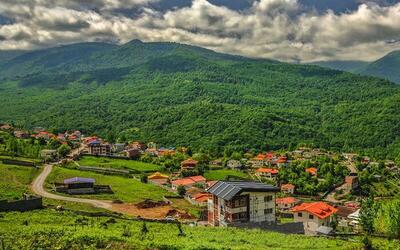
{"type": "Point", "coordinates": [179, 95]}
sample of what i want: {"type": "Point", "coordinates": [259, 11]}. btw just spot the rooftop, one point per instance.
{"type": "Point", "coordinates": [286, 200]}
{"type": "Point", "coordinates": [79, 180]}
{"type": "Point", "coordinates": [319, 209]}
{"type": "Point", "coordinates": [228, 189]}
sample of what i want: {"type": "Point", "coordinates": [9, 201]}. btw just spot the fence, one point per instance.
{"type": "Point", "coordinates": [27, 204]}
{"type": "Point", "coordinates": [18, 163]}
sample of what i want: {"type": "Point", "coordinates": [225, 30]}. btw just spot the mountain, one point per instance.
{"type": "Point", "coordinates": [388, 67]}
{"type": "Point", "coordinates": [6, 55]}
{"type": "Point", "coordinates": [181, 95]}
{"type": "Point", "coordinates": [349, 66]}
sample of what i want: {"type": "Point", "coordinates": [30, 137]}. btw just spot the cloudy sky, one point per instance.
{"type": "Point", "coordinates": [288, 30]}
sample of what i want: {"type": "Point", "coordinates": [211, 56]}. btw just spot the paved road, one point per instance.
{"type": "Point", "coordinates": [38, 188]}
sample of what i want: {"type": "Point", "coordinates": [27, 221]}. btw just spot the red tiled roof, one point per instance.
{"type": "Point", "coordinates": [312, 171]}
{"type": "Point", "coordinates": [288, 186]}
{"type": "Point", "coordinates": [282, 159]}
{"type": "Point", "coordinates": [319, 209]}
{"type": "Point", "coordinates": [270, 155]}
{"type": "Point", "coordinates": [268, 170]}
{"type": "Point", "coordinates": [188, 180]}
{"type": "Point", "coordinates": [286, 200]}
{"type": "Point", "coordinates": [202, 197]}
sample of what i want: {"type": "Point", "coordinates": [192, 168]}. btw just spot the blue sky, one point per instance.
{"type": "Point", "coordinates": [288, 30]}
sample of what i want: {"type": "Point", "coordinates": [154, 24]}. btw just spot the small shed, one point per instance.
{"type": "Point", "coordinates": [79, 182]}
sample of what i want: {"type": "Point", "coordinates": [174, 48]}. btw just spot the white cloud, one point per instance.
{"type": "Point", "coordinates": [270, 28]}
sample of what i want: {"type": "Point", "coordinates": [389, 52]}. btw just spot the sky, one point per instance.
{"type": "Point", "coordinates": [286, 30]}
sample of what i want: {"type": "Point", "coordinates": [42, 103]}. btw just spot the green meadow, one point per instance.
{"type": "Point", "coordinates": [125, 189]}
{"type": "Point", "coordinates": [15, 181]}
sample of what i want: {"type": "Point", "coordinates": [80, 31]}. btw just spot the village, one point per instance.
{"type": "Point", "coordinates": [303, 191]}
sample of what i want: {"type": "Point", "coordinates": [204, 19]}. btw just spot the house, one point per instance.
{"type": "Point", "coordinates": [241, 203]}
{"type": "Point", "coordinates": [45, 135]}
{"type": "Point", "coordinates": [158, 178]}
{"type": "Point", "coordinates": [188, 164]}
{"type": "Point", "coordinates": [351, 182]}
{"type": "Point", "coordinates": [201, 199]}
{"type": "Point", "coordinates": [282, 161]}
{"type": "Point", "coordinates": [137, 145]}
{"type": "Point", "coordinates": [197, 196]}
{"type": "Point", "coordinates": [234, 164]}
{"type": "Point", "coordinates": [288, 188]}
{"type": "Point", "coordinates": [21, 134]}
{"type": "Point", "coordinates": [343, 213]}
{"type": "Point", "coordinates": [98, 148]}
{"type": "Point", "coordinates": [267, 173]}
{"type": "Point", "coordinates": [188, 182]}
{"type": "Point", "coordinates": [314, 215]}
{"type": "Point", "coordinates": [312, 171]}
{"type": "Point", "coordinates": [286, 203]}
{"type": "Point", "coordinates": [166, 152]}
{"type": "Point", "coordinates": [6, 127]}
{"type": "Point", "coordinates": [132, 153]}
{"type": "Point", "coordinates": [216, 163]}
{"type": "Point", "coordinates": [259, 161]}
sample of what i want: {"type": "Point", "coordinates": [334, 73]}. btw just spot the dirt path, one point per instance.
{"type": "Point", "coordinates": [127, 209]}
{"type": "Point", "coordinates": [38, 188]}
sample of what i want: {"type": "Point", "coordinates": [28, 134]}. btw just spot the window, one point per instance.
{"type": "Point", "coordinates": [268, 211]}
{"type": "Point", "coordinates": [311, 216]}
{"type": "Point", "coordinates": [268, 198]}
{"type": "Point", "coordinates": [300, 214]}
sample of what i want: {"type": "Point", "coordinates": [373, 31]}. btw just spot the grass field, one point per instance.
{"type": "Point", "coordinates": [118, 164]}
{"type": "Point", "coordinates": [48, 229]}
{"type": "Point", "coordinates": [15, 180]}
{"type": "Point", "coordinates": [125, 189]}
{"type": "Point", "coordinates": [224, 173]}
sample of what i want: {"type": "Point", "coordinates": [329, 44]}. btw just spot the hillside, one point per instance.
{"type": "Point", "coordinates": [387, 67]}
{"type": "Point", "coordinates": [349, 66]}
{"type": "Point", "coordinates": [180, 95]}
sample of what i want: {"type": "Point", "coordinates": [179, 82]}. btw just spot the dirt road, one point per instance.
{"type": "Point", "coordinates": [38, 188]}
{"type": "Point", "coordinates": [125, 208]}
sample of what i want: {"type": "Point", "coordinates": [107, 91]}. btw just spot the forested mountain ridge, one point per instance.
{"type": "Point", "coordinates": [180, 95]}
{"type": "Point", "coordinates": [386, 67]}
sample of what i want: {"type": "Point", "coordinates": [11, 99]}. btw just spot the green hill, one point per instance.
{"type": "Point", "coordinates": [177, 95]}
{"type": "Point", "coordinates": [388, 67]}
{"type": "Point", "coordinates": [349, 66]}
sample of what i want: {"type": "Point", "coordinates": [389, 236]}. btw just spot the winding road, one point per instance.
{"type": "Point", "coordinates": [38, 188]}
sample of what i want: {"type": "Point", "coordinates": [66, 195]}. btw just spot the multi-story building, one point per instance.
{"type": "Point", "coordinates": [241, 203]}
{"type": "Point", "coordinates": [98, 148]}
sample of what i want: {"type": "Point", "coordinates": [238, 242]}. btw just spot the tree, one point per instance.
{"type": "Point", "coordinates": [63, 150]}
{"type": "Point", "coordinates": [143, 178]}
{"type": "Point", "coordinates": [367, 216]}
{"type": "Point", "coordinates": [181, 190]}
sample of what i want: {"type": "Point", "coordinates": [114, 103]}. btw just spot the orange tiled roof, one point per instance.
{"type": "Point", "coordinates": [312, 171]}
{"type": "Point", "coordinates": [319, 209]}
{"type": "Point", "coordinates": [188, 180]}
{"type": "Point", "coordinates": [287, 186]}
{"type": "Point", "coordinates": [268, 170]}
{"type": "Point", "coordinates": [286, 200]}
{"type": "Point", "coordinates": [282, 159]}
{"type": "Point", "coordinates": [202, 197]}
{"type": "Point", "coordinates": [189, 161]}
